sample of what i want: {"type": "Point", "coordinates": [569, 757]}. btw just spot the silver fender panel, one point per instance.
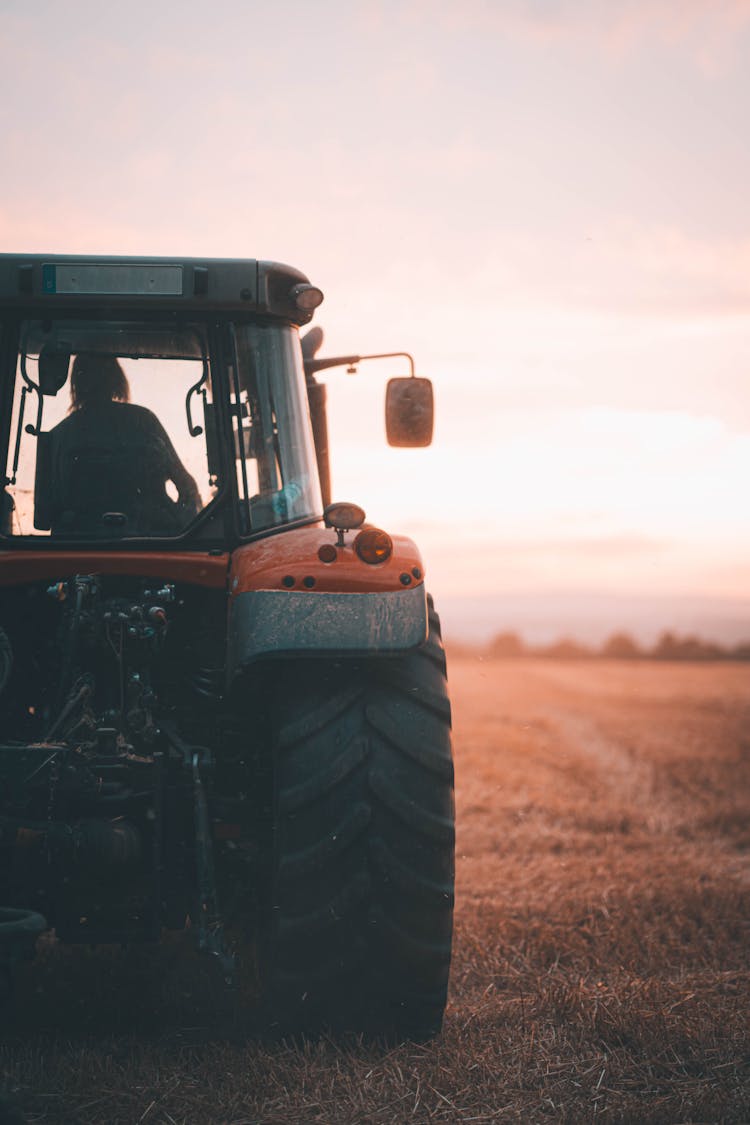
{"type": "Point", "coordinates": [267, 623]}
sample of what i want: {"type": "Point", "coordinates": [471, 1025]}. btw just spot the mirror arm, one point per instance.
{"type": "Point", "coordinates": [313, 365]}
{"type": "Point", "coordinates": [394, 355]}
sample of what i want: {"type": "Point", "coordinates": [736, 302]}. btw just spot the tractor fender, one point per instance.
{"type": "Point", "coordinates": [286, 600]}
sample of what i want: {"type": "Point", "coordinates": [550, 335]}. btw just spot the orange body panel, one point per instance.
{"type": "Point", "coordinates": [174, 566]}
{"type": "Point", "coordinates": [262, 565]}
{"type": "Point", "coordinates": [265, 565]}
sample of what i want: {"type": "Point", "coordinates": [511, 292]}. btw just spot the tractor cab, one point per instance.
{"type": "Point", "coordinates": [153, 401]}
{"type": "Point", "coordinates": [147, 400]}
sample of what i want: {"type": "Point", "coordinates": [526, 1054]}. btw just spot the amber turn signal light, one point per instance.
{"type": "Point", "coordinates": [373, 545]}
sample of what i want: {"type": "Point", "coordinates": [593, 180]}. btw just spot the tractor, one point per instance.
{"type": "Point", "coordinates": [223, 700]}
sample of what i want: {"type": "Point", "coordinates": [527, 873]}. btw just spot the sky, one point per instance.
{"type": "Point", "coordinates": [544, 202]}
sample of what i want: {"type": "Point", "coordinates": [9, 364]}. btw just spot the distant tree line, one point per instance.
{"type": "Point", "coordinates": [620, 646]}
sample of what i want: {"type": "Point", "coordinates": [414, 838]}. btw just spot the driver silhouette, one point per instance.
{"type": "Point", "coordinates": [108, 463]}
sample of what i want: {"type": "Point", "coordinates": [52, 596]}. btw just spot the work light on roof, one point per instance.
{"type": "Point", "coordinates": [306, 297]}
{"type": "Point", "coordinates": [344, 517]}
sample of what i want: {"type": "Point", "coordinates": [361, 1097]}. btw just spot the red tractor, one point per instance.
{"type": "Point", "coordinates": [223, 698]}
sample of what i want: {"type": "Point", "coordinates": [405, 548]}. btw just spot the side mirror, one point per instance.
{"type": "Point", "coordinates": [409, 411]}
{"type": "Point", "coordinates": [53, 370]}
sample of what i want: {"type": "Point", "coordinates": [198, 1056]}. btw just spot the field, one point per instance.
{"type": "Point", "coordinates": [601, 966]}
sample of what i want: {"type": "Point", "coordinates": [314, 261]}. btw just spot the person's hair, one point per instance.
{"type": "Point", "coordinates": [97, 378]}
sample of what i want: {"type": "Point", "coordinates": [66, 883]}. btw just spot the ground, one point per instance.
{"type": "Point", "coordinates": [601, 966]}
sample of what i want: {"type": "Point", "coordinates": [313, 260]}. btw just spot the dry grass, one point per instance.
{"type": "Point", "coordinates": [601, 959]}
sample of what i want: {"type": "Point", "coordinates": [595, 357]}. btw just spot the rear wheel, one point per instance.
{"type": "Point", "coordinates": [361, 896]}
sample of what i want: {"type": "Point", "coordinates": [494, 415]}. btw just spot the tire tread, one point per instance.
{"type": "Point", "coordinates": [361, 902]}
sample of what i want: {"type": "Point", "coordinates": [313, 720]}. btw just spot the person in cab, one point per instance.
{"type": "Point", "coordinates": [105, 469]}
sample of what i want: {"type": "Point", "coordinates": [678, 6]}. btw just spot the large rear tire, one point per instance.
{"type": "Point", "coordinates": [361, 896]}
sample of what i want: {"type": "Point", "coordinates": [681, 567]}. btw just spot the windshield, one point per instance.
{"type": "Point", "coordinates": [277, 472]}
{"type": "Point", "coordinates": [115, 429]}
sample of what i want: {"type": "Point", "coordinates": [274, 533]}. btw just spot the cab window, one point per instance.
{"type": "Point", "coordinates": [100, 444]}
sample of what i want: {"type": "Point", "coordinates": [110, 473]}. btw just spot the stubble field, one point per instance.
{"type": "Point", "coordinates": [601, 966]}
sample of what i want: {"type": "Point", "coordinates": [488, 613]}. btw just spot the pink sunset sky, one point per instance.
{"type": "Point", "coordinates": [547, 203]}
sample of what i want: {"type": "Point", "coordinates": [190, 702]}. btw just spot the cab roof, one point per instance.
{"type": "Point", "coordinates": [46, 282]}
